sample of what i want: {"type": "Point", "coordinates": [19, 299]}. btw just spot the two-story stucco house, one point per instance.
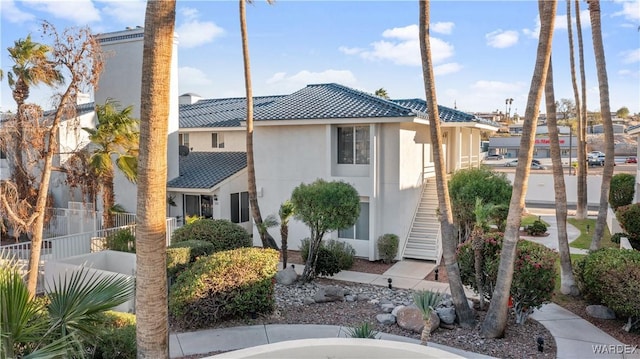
{"type": "Point", "coordinates": [381, 147]}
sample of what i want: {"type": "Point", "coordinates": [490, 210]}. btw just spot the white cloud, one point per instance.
{"type": "Point", "coordinates": [195, 33]}
{"type": "Point", "coordinates": [129, 13]}
{"type": "Point", "coordinates": [401, 47]}
{"type": "Point", "coordinates": [630, 10]}
{"type": "Point", "coordinates": [502, 39]}
{"type": "Point", "coordinates": [305, 77]}
{"type": "Point", "coordinates": [631, 56]}
{"type": "Point", "coordinates": [81, 12]}
{"type": "Point", "coordinates": [443, 27]}
{"type": "Point", "coordinates": [409, 32]}
{"type": "Point", "coordinates": [188, 12]}
{"type": "Point", "coordinates": [191, 79]}
{"type": "Point", "coordinates": [14, 15]}
{"type": "Point", "coordinates": [445, 69]}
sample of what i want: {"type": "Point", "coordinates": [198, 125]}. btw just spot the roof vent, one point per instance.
{"type": "Point", "coordinates": [183, 150]}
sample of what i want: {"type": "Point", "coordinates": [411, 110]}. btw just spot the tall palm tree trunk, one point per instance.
{"type": "Point", "coordinates": [605, 111]}
{"type": "Point", "coordinates": [496, 320]}
{"type": "Point", "coordinates": [151, 281]}
{"type": "Point", "coordinates": [449, 243]}
{"type": "Point", "coordinates": [267, 241]}
{"type": "Point", "coordinates": [567, 281]}
{"type": "Point", "coordinates": [582, 205]}
{"type": "Point", "coordinates": [108, 199]}
{"type": "Point", "coordinates": [20, 176]}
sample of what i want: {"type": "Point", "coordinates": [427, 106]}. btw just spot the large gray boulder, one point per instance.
{"type": "Point", "coordinates": [386, 319]}
{"type": "Point", "coordinates": [447, 315]}
{"type": "Point", "coordinates": [600, 312]}
{"type": "Point", "coordinates": [410, 318]}
{"type": "Point", "coordinates": [329, 294]}
{"type": "Point", "coordinates": [287, 276]}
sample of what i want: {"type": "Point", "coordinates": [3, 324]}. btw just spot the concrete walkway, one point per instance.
{"type": "Point", "coordinates": [574, 336]}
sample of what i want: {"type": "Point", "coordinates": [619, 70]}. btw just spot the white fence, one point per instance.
{"type": "Point", "coordinates": [67, 221]}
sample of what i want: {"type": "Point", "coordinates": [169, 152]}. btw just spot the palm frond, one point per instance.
{"type": "Point", "coordinates": [426, 301]}
{"type": "Point", "coordinates": [128, 165]}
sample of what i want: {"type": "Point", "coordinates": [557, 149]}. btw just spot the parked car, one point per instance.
{"type": "Point", "coordinates": [596, 159]}
{"type": "Point", "coordinates": [631, 159]}
{"type": "Point", "coordinates": [514, 163]}
{"type": "Point", "coordinates": [494, 157]}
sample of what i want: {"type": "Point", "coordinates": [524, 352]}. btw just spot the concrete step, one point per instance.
{"type": "Point", "coordinates": [420, 254]}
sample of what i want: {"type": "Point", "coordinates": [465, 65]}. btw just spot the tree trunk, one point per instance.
{"type": "Point", "coordinates": [309, 272]}
{"type": "Point", "coordinates": [108, 199]}
{"type": "Point", "coordinates": [478, 246]}
{"type": "Point", "coordinates": [267, 242]}
{"type": "Point", "coordinates": [284, 236]}
{"type": "Point", "coordinates": [426, 332]}
{"type": "Point", "coordinates": [449, 242]}
{"type": "Point", "coordinates": [496, 320]}
{"type": "Point", "coordinates": [605, 110]}
{"type": "Point", "coordinates": [583, 205]}
{"type": "Point", "coordinates": [568, 284]}
{"type": "Point", "coordinates": [151, 281]}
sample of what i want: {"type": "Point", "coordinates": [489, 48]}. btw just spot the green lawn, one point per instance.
{"type": "Point", "coordinates": [584, 241]}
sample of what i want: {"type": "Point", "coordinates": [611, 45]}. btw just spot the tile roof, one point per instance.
{"type": "Point", "coordinates": [633, 129]}
{"type": "Point", "coordinates": [225, 112]}
{"type": "Point", "coordinates": [204, 170]}
{"type": "Point", "coordinates": [319, 101]}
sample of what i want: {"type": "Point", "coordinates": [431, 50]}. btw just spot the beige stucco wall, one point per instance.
{"type": "Point", "coordinates": [234, 140]}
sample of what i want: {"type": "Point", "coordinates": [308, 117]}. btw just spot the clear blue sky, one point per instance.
{"type": "Point", "coordinates": [484, 50]}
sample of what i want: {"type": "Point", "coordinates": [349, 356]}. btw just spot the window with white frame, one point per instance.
{"type": "Point", "coordinates": [240, 207]}
{"type": "Point", "coordinates": [183, 139]}
{"type": "Point", "coordinates": [353, 145]}
{"type": "Point", "coordinates": [217, 140]}
{"type": "Point", "coordinates": [360, 230]}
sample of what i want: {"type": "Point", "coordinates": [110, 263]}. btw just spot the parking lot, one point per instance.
{"type": "Point", "coordinates": [621, 167]}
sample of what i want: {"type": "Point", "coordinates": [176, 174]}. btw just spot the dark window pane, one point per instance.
{"type": "Point", "coordinates": [347, 233]}
{"type": "Point", "coordinates": [235, 207]}
{"type": "Point", "coordinates": [244, 207]}
{"type": "Point", "coordinates": [345, 145]}
{"type": "Point", "coordinates": [207, 206]}
{"type": "Point", "coordinates": [362, 225]}
{"type": "Point", "coordinates": [362, 145]}
{"type": "Point", "coordinates": [191, 205]}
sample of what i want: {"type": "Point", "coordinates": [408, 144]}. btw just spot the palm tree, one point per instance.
{"type": "Point", "coordinates": [426, 301]}
{"type": "Point", "coordinates": [151, 256]}
{"type": "Point", "coordinates": [607, 124]}
{"type": "Point", "coordinates": [116, 135]}
{"type": "Point", "coordinates": [581, 210]}
{"type": "Point", "coordinates": [381, 92]}
{"type": "Point", "coordinates": [568, 283]}
{"type": "Point", "coordinates": [581, 178]}
{"type": "Point", "coordinates": [286, 212]}
{"type": "Point", "coordinates": [449, 242]}
{"type": "Point", "coordinates": [31, 68]}
{"type": "Point", "coordinates": [496, 320]}
{"type": "Point", "coordinates": [73, 308]}
{"type": "Point", "coordinates": [267, 242]}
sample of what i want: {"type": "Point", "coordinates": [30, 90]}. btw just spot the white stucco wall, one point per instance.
{"type": "Point", "coordinates": [234, 140]}
{"type": "Point", "coordinates": [287, 156]}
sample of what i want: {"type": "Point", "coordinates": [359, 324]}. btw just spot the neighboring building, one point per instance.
{"type": "Point", "coordinates": [635, 131]}
{"type": "Point", "coordinates": [510, 146]}
{"type": "Point", "coordinates": [599, 129]}
{"type": "Point", "coordinates": [381, 147]}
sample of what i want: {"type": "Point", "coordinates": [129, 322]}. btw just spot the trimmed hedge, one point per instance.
{"type": "Point", "coordinates": [224, 285]}
{"type": "Point", "coordinates": [223, 234]}
{"type": "Point", "coordinates": [388, 247]}
{"type": "Point", "coordinates": [119, 337]}
{"type": "Point", "coordinates": [621, 190]}
{"type": "Point", "coordinates": [180, 254]}
{"type": "Point", "coordinates": [611, 276]}
{"type": "Point", "coordinates": [333, 256]}
{"type": "Point", "coordinates": [629, 218]}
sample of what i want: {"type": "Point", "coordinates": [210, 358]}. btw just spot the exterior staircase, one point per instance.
{"type": "Point", "coordinates": [423, 241]}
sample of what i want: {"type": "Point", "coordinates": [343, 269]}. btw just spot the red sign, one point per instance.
{"type": "Point", "coordinates": [546, 141]}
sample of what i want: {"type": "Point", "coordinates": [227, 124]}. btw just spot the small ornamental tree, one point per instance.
{"type": "Point", "coordinates": [621, 190]}
{"type": "Point", "coordinates": [324, 207]}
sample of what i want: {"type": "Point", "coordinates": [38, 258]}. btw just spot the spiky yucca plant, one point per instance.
{"type": "Point", "coordinates": [364, 330]}
{"type": "Point", "coordinates": [426, 301]}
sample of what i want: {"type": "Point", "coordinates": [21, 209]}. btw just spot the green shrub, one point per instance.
{"type": "Point", "coordinates": [122, 240]}
{"type": "Point", "coordinates": [224, 285]}
{"type": "Point", "coordinates": [180, 254]}
{"type": "Point", "coordinates": [629, 218]}
{"type": "Point", "coordinates": [538, 228]}
{"type": "Point", "coordinates": [388, 247]}
{"type": "Point", "coordinates": [498, 215]}
{"type": "Point", "coordinates": [622, 189]}
{"type": "Point", "coordinates": [363, 331]}
{"type": "Point", "coordinates": [533, 276]}
{"type": "Point", "coordinates": [615, 238]}
{"type": "Point", "coordinates": [223, 234]}
{"type": "Point", "coordinates": [333, 256]}
{"type": "Point", "coordinates": [119, 337]}
{"type": "Point", "coordinates": [611, 276]}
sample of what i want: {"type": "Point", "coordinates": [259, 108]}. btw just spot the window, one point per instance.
{"type": "Point", "coordinates": [183, 139]}
{"type": "Point", "coordinates": [353, 145]}
{"type": "Point", "coordinates": [361, 229]}
{"type": "Point", "coordinates": [217, 140]}
{"type": "Point", "coordinates": [240, 207]}
{"type": "Point", "coordinates": [199, 206]}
